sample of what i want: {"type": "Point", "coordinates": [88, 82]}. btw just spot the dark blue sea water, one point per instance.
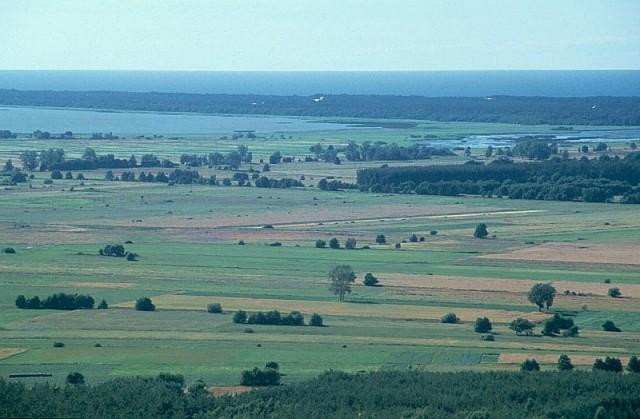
{"type": "Point", "coordinates": [430, 83]}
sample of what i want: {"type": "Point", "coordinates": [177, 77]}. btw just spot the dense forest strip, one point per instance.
{"type": "Point", "coordinates": [601, 110]}
{"type": "Point", "coordinates": [556, 179]}
{"type": "Point", "coordinates": [340, 395]}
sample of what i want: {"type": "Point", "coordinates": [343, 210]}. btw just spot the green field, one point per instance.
{"type": "Point", "coordinates": [187, 238]}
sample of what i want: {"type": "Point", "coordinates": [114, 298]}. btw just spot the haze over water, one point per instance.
{"type": "Point", "coordinates": [420, 83]}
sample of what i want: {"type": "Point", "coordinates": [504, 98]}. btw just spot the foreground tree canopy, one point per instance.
{"type": "Point", "coordinates": [387, 394]}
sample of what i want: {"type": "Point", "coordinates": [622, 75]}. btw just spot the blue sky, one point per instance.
{"type": "Point", "coordinates": [320, 34]}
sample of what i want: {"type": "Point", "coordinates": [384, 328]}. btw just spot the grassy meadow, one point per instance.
{"type": "Point", "coordinates": [187, 238]}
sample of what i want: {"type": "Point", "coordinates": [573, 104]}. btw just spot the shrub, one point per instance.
{"type": "Point", "coordinates": [381, 239]}
{"type": "Point", "coordinates": [9, 250]}
{"type": "Point", "coordinates": [132, 257]}
{"type": "Point", "coordinates": [334, 243]}
{"type": "Point", "coordinates": [481, 231]}
{"type": "Point", "coordinates": [530, 365]}
{"type": "Point", "coordinates": [614, 292]}
{"type": "Point", "coordinates": [370, 280]}
{"type": "Point", "coordinates": [489, 338]}
{"type": "Point", "coordinates": [240, 316]}
{"type": "Point", "coordinates": [316, 320]}
{"type": "Point", "coordinates": [145, 304]}
{"type": "Point", "coordinates": [609, 326]}
{"type": "Point", "coordinates": [350, 243]}
{"type": "Point", "coordinates": [398, 246]}
{"type": "Point", "coordinates": [58, 345]}
{"type": "Point", "coordinates": [56, 174]}
{"type": "Point", "coordinates": [241, 243]}
{"type": "Point", "coordinates": [115, 250]}
{"type": "Point", "coordinates": [433, 232]}
{"type": "Point", "coordinates": [75, 378]}
{"type": "Point", "coordinates": [321, 244]}
{"type": "Point", "coordinates": [103, 305]}
{"type": "Point", "coordinates": [609, 364]}
{"type": "Point", "coordinates": [214, 308]}
{"type": "Point", "coordinates": [273, 365]}
{"type": "Point", "coordinates": [275, 244]}
{"type": "Point", "coordinates": [483, 325]}
{"type": "Point", "coordinates": [571, 332]}
{"type": "Point", "coordinates": [450, 318]}
{"type": "Point", "coordinates": [413, 238]}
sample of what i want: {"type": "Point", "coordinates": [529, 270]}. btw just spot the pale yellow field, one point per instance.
{"type": "Point", "coordinates": [519, 357]}
{"type": "Point", "coordinates": [390, 311]}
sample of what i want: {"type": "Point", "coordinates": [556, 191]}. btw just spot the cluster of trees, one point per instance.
{"type": "Point", "coordinates": [265, 182]}
{"type": "Point", "coordinates": [54, 159]}
{"type": "Point", "coordinates": [256, 377]}
{"type": "Point", "coordinates": [334, 185]}
{"type": "Point", "coordinates": [273, 317]}
{"type": "Point", "coordinates": [161, 396]}
{"type": "Point", "coordinates": [5, 134]}
{"type": "Point", "coordinates": [60, 301]}
{"type": "Point", "coordinates": [177, 176]}
{"type": "Point", "coordinates": [46, 135]}
{"type": "Point", "coordinates": [12, 174]}
{"type": "Point", "coordinates": [334, 243]}
{"type": "Point", "coordinates": [233, 159]}
{"type": "Point", "coordinates": [604, 110]}
{"type": "Point", "coordinates": [381, 394]}
{"type": "Point", "coordinates": [565, 180]}
{"type": "Point", "coordinates": [558, 324]}
{"type": "Point", "coordinates": [380, 150]}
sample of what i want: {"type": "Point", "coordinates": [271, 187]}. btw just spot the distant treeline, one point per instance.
{"type": "Point", "coordinates": [59, 301]}
{"type": "Point", "coordinates": [385, 394]}
{"type": "Point", "coordinates": [556, 179]}
{"type": "Point", "coordinates": [55, 159]}
{"type": "Point", "coordinates": [599, 110]}
{"type": "Point", "coordinates": [378, 150]}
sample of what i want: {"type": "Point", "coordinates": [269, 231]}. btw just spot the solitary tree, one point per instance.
{"type": "Point", "coordinates": [614, 292]}
{"type": "Point", "coordinates": [481, 231]}
{"type": "Point", "coordinates": [530, 365]}
{"type": "Point", "coordinates": [450, 318]}
{"type": "Point", "coordinates": [341, 277]}
{"type": "Point", "coordinates": [564, 363]}
{"type": "Point", "coordinates": [75, 378]}
{"type": "Point", "coordinates": [542, 295]}
{"type": "Point", "coordinates": [316, 320]}
{"type": "Point", "coordinates": [350, 243]}
{"type": "Point", "coordinates": [381, 239]}
{"type": "Point", "coordinates": [483, 325]}
{"type": "Point", "coordinates": [334, 243]}
{"type": "Point", "coordinates": [103, 305]}
{"type": "Point", "coordinates": [522, 326]}
{"type": "Point", "coordinates": [321, 244]}
{"type": "Point", "coordinates": [145, 304]}
{"type": "Point", "coordinates": [240, 317]}
{"type": "Point", "coordinates": [634, 364]}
